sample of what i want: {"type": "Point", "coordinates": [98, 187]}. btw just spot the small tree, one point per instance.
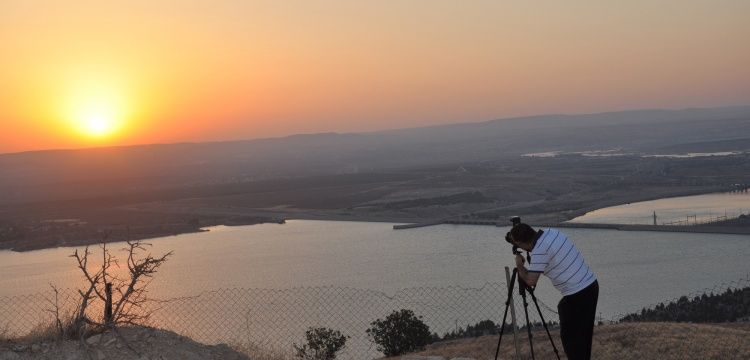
{"type": "Point", "coordinates": [401, 332]}
{"type": "Point", "coordinates": [123, 299]}
{"type": "Point", "coordinates": [322, 344]}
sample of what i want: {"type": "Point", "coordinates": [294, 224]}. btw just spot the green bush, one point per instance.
{"type": "Point", "coordinates": [322, 344]}
{"type": "Point", "coordinates": [401, 332]}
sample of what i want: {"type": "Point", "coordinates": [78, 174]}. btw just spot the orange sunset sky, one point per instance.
{"type": "Point", "coordinates": [93, 73]}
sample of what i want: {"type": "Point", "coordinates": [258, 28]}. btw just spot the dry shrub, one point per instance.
{"type": "Point", "coordinates": [62, 328]}
{"type": "Point", "coordinates": [42, 333]}
{"type": "Point", "coordinates": [123, 299]}
{"type": "Point", "coordinates": [4, 337]}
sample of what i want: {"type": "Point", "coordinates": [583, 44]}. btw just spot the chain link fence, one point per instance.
{"type": "Point", "coordinates": [676, 314]}
{"type": "Point", "coordinates": [712, 323]}
{"type": "Point", "coordinates": [268, 322]}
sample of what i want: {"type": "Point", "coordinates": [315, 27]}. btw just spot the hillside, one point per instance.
{"type": "Point", "coordinates": [131, 343]}
{"type": "Point", "coordinates": [642, 341]}
{"type": "Point", "coordinates": [481, 171]}
{"type": "Point", "coordinates": [70, 174]}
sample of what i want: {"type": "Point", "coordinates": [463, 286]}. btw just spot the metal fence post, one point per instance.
{"type": "Point", "coordinates": [108, 303]}
{"type": "Point", "coordinates": [512, 314]}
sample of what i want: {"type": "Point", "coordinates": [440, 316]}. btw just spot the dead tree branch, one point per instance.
{"type": "Point", "coordinates": [102, 284]}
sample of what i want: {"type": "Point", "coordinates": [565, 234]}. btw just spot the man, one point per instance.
{"type": "Point", "coordinates": [555, 256]}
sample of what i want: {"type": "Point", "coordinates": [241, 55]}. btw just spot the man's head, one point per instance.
{"type": "Point", "coordinates": [523, 236]}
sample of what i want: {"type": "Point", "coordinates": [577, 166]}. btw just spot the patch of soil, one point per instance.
{"type": "Point", "coordinates": [127, 343]}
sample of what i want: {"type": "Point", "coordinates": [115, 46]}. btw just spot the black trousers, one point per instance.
{"type": "Point", "coordinates": [577, 315]}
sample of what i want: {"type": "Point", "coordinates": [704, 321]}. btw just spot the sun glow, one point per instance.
{"type": "Point", "coordinates": [99, 124]}
{"type": "Point", "coordinates": [96, 109]}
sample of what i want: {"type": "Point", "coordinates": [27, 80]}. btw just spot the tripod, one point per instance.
{"type": "Point", "coordinates": [522, 289]}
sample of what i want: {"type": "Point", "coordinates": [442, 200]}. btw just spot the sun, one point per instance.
{"type": "Point", "coordinates": [98, 122]}
{"type": "Point", "coordinates": [96, 111]}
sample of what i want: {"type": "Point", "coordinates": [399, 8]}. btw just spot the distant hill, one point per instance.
{"type": "Point", "coordinates": [67, 174]}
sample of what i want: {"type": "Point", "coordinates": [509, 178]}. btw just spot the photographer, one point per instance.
{"type": "Point", "coordinates": [554, 255]}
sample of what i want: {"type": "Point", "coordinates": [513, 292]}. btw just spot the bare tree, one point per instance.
{"type": "Point", "coordinates": [123, 297]}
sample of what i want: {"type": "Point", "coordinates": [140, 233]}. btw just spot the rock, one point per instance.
{"type": "Point", "coordinates": [462, 358]}
{"type": "Point", "coordinates": [94, 339]}
{"type": "Point", "coordinates": [9, 355]}
{"type": "Point", "coordinates": [100, 354]}
{"type": "Point", "coordinates": [72, 356]}
{"type": "Point", "coordinates": [420, 357]}
{"type": "Point", "coordinates": [20, 347]}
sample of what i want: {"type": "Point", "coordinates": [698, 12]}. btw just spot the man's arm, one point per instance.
{"type": "Point", "coordinates": [530, 278]}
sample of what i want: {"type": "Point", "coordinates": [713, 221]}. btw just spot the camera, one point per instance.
{"type": "Point", "coordinates": [515, 220]}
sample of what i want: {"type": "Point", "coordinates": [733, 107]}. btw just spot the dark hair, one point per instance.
{"type": "Point", "coordinates": [523, 233]}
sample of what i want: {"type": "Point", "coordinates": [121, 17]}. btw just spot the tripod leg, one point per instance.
{"type": "Point", "coordinates": [505, 314]}
{"type": "Point", "coordinates": [544, 323]}
{"type": "Point", "coordinates": [522, 290]}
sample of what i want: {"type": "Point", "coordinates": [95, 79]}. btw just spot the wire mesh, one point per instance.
{"type": "Point", "coordinates": [717, 289]}
{"type": "Point", "coordinates": [271, 321]}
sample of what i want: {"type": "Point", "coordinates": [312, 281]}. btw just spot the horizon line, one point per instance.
{"type": "Point", "coordinates": [272, 138]}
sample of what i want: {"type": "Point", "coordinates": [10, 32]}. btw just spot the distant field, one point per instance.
{"type": "Point", "coordinates": [543, 190]}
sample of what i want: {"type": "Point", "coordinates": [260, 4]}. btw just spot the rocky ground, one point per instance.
{"type": "Point", "coordinates": [136, 343]}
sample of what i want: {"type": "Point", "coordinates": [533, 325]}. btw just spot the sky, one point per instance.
{"type": "Point", "coordinates": [94, 73]}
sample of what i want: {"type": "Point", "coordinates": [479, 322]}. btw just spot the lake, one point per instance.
{"type": "Point", "coordinates": [685, 209]}
{"type": "Point", "coordinates": [635, 269]}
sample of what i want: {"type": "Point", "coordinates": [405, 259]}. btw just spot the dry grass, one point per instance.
{"type": "Point", "coordinates": [47, 332]}
{"type": "Point", "coordinates": [642, 341]}
{"type": "Point", "coordinates": [258, 353]}
{"type": "Point", "coordinates": [41, 333]}
{"type": "Point", "coordinates": [4, 335]}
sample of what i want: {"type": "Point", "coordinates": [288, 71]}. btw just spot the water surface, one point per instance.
{"type": "Point", "coordinates": [677, 210]}
{"type": "Point", "coordinates": [635, 269]}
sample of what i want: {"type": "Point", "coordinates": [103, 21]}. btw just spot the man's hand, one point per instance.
{"type": "Point", "coordinates": [520, 261]}
{"type": "Point", "coordinates": [527, 277]}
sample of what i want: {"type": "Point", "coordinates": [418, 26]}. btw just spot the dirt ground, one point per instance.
{"type": "Point", "coordinates": [641, 341]}
{"type": "Point", "coordinates": [130, 343]}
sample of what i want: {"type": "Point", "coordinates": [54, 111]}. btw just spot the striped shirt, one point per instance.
{"type": "Point", "coordinates": [556, 256]}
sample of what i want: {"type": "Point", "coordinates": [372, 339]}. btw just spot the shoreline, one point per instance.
{"type": "Point", "coordinates": [713, 229]}
{"type": "Point", "coordinates": [403, 224]}
{"type": "Point", "coordinates": [147, 221]}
